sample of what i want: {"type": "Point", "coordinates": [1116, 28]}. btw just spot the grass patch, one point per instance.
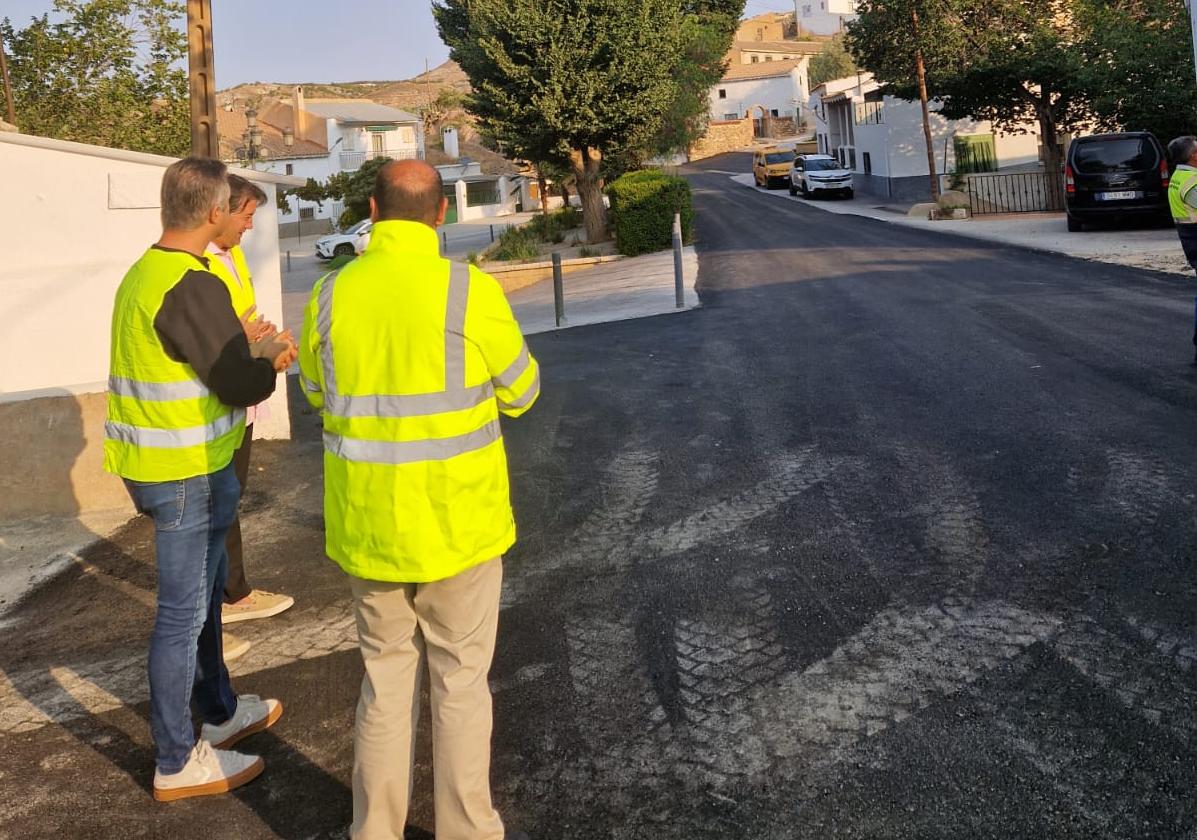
{"type": "Point", "coordinates": [516, 244]}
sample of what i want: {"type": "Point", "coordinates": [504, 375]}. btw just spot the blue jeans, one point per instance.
{"type": "Point", "coordinates": [191, 520]}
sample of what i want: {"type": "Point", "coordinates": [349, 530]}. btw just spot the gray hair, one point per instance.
{"type": "Point", "coordinates": [1181, 149]}
{"type": "Point", "coordinates": [242, 191]}
{"type": "Point", "coordinates": [191, 188]}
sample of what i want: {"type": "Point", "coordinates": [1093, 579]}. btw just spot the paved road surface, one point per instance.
{"type": "Point", "coordinates": [893, 538]}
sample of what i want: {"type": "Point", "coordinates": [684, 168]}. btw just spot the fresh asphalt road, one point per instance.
{"type": "Point", "coordinates": [893, 538]}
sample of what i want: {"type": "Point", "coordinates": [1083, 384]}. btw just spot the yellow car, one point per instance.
{"type": "Point", "coordinates": [771, 167]}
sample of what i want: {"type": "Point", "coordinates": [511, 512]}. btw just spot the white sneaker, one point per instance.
{"type": "Point", "coordinates": [207, 771]}
{"type": "Point", "coordinates": [233, 646]}
{"type": "Point", "coordinates": [257, 604]}
{"type": "Point", "coordinates": [253, 715]}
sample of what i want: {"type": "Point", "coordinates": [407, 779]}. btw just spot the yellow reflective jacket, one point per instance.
{"type": "Point", "coordinates": [163, 422]}
{"type": "Point", "coordinates": [411, 359]}
{"type": "Point", "coordinates": [241, 287]}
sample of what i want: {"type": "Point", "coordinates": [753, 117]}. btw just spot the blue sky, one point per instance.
{"type": "Point", "coordinates": [293, 41]}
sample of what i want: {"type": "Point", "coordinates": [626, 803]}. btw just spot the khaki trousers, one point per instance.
{"type": "Point", "coordinates": [449, 626]}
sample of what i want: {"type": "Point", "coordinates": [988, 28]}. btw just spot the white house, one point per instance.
{"type": "Point", "coordinates": [79, 216]}
{"type": "Point", "coordinates": [881, 139]}
{"type": "Point", "coordinates": [776, 89]}
{"type": "Point", "coordinates": [824, 17]}
{"type": "Point", "coordinates": [317, 139]}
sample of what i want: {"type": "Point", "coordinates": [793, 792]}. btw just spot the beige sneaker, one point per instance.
{"type": "Point", "coordinates": [253, 715]}
{"type": "Point", "coordinates": [208, 771]}
{"type": "Point", "coordinates": [256, 604]}
{"type": "Point", "coordinates": [233, 646]}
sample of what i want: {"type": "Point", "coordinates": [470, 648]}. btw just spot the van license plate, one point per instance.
{"type": "Point", "coordinates": [1119, 196]}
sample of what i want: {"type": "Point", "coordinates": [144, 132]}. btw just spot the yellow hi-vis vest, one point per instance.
{"type": "Point", "coordinates": [241, 292]}
{"type": "Point", "coordinates": [1184, 180]}
{"type": "Point", "coordinates": [163, 422]}
{"type": "Point", "coordinates": [412, 359]}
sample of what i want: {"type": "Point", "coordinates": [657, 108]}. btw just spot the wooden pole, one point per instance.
{"type": "Point", "coordinates": [12, 116]}
{"type": "Point", "coordinates": [921, 70]}
{"type": "Point", "coordinates": [202, 79]}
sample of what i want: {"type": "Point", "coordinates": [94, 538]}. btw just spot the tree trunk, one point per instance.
{"type": "Point", "coordinates": [1053, 180]}
{"type": "Point", "coordinates": [921, 71]}
{"type": "Point", "coordinates": [542, 184]}
{"type": "Point", "coordinates": [586, 164]}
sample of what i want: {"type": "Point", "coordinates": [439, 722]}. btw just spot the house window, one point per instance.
{"type": "Point", "coordinates": [407, 135]}
{"type": "Point", "coordinates": [768, 58]}
{"type": "Point", "coordinates": [378, 142]}
{"type": "Point", "coordinates": [290, 169]}
{"type": "Point", "coordinates": [307, 213]}
{"type": "Point", "coordinates": [755, 59]}
{"type": "Point", "coordinates": [774, 113]}
{"type": "Point", "coordinates": [867, 162]}
{"type": "Point", "coordinates": [723, 93]}
{"type": "Point", "coordinates": [731, 117]}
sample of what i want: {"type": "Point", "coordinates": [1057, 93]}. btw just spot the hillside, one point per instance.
{"type": "Point", "coordinates": [408, 94]}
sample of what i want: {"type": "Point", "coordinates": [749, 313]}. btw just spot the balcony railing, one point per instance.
{"type": "Point", "coordinates": [352, 161]}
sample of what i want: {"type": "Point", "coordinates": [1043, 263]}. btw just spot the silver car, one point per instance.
{"type": "Point", "coordinates": [819, 174]}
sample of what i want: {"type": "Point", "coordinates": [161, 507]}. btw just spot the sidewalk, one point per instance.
{"type": "Point", "coordinates": [1156, 249]}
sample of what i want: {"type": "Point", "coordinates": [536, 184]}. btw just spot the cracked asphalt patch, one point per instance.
{"type": "Point", "coordinates": [893, 538]}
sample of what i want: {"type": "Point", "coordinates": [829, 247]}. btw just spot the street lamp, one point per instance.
{"type": "Point", "coordinates": [253, 133]}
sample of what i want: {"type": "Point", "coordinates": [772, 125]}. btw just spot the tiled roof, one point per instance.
{"type": "Point", "coordinates": [794, 47]}
{"type": "Point", "coordinates": [232, 126]}
{"type": "Point", "coordinates": [358, 111]}
{"type": "Point", "coordinates": [760, 70]}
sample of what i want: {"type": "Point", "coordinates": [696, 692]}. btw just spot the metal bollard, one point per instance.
{"type": "Point", "coordinates": [679, 284]}
{"type": "Point", "coordinates": [492, 233]}
{"type": "Point", "coordinates": [558, 291]}
{"type": "Point", "coordinates": [288, 262]}
{"type": "Point", "coordinates": [444, 242]}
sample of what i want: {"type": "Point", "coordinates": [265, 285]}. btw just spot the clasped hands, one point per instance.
{"type": "Point", "coordinates": [266, 342]}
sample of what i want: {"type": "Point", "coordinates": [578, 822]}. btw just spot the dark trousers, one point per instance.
{"type": "Point", "coordinates": [1188, 242]}
{"type": "Point", "coordinates": [236, 587]}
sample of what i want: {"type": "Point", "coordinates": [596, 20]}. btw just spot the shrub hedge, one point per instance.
{"type": "Point", "coordinates": [642, 208]}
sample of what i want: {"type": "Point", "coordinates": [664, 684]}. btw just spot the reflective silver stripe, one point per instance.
{"type": "Point", "coordinates": [308, 385]}
{"type": "Point", "coordinates": [411, 451]}
{"type": "Point", "coordinates": [189, 389]}
{"type": "Point", "coordinates": [455, 318]}
{"type": "Point", "coordinates": [407, 405]}
{"type": "Point", "coordinates": [515, 370]}
{"type": "Point", "coordinates": [173, 438]}
{"type": "Point", "coordinates": [324, 330]}
{"type": "Point", "coordinates": [528, 396]}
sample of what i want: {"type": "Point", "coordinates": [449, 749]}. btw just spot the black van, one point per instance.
{"type": "Point", "coordinates": [1116, 177]}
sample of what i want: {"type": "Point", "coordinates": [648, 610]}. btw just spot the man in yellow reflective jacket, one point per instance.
{"type": "Point", "coordinates": [226, 260]}
{"type": "Point", "coordinates": [411, 359]}
{"type": "Point", "coordinates": [1182, 200]}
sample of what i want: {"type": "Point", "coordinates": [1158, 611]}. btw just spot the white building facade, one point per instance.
{"type": "Point", "coordinates": [824, 17]}
{"type": "Point", "coordinates": [779, 89]}
{"type": "Point", "coordinates": [880, 138]}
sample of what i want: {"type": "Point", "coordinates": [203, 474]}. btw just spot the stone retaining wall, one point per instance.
{"type": "Point", "coordinates": [723, 136]}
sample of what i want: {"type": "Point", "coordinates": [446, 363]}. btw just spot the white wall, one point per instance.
{"type": "Point", "coordinates": [824, 17]}
{"type": "Point", "coordinates": [303, 168]}
{"type": "Point", "coordinates": [74, 222]}
{"type": "Point", "coordinates": [784, 93]}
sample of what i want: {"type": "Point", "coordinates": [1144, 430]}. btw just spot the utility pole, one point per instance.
{"type": "Point", "coordinates": [1193, 26]}
{"type": "Point", "coordinates": [201, 77]}
{"type": "Point", "coordinates": [12, 116]}
{"type": "Point", "coordinates": [921, 71]}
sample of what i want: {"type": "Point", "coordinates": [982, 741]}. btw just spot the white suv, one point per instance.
{"type": "Point", "coordinates": [814, 174]}
{"type": "Point", "coordinates": [349, 243]}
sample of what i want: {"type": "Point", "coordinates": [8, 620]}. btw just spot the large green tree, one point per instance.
{"type": "Point", "coordinates": [106, 72]}
{"type": "Point", "coordinates": [1138, 68]}
{"type": "Point", "coordinates": [1007, 61]}
{"type": "Point", "coordinates": [833, 62]}
{"type": "Point", "coordinates": [567, 80]}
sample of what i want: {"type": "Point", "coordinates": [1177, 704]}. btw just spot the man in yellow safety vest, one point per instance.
{"type": "Point", "coordinates": [412, 359]}
{"type": "Point", "coordinates": [1182, 199]}
{"type": "Point", "coordinates": [181, 373]}
{"type": "Point", "coordinates": [227, 261]}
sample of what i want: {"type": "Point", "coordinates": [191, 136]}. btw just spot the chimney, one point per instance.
{"type": "Point", "coordinates": [300, 115]}
{"type": "Point", "coordinates": [450, 141]}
